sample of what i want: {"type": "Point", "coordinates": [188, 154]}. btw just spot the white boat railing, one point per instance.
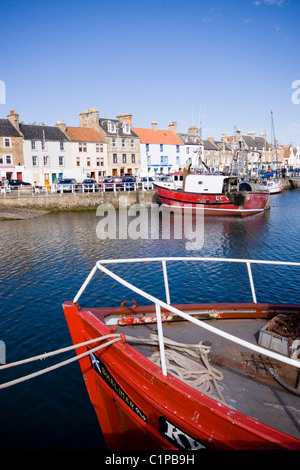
{"type": "Point", "coordinates": [167, 305]}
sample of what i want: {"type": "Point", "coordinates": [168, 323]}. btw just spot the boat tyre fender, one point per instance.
{"type": "Point", "coordinates": [134, 303]}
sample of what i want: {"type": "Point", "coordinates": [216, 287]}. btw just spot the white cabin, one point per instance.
{"type": "Point", "coordinates": [207, 183]}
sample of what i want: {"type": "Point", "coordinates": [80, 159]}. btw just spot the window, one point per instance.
{"type": "Point", "coordinates": [161, 146]}
{"type": "Point", "coordinates": [132, 143]}
{"type": "Point", "coordinates": [111, 127]}
{"type": "Point", "coordinates": [61, 161]}
{"type": "Point", "coordinates": [35, 161]}
{"type": "Point", "coordinates": [187, 150]}
{"type": "Point", "coordinates": [8, 160]}
{"type": "Point", "coordinates": [99, 148]}
{"type": "Point", "coordinates": [161, 159]}
{"type": "Point", "coordinates": [1, 159]}
{"type": "Point", "coordinates": [177, 148]}
{"type": "Point", "coordinates": [33, 145]}
{"type": "Point", "coordinates": [7, 142]}
{"type": "Point", "coordinates": [88, 161]}
{"type": "Point", "coordinates": [62, 146]}
{"type": "Point", "coordinates": [46, 160]}
{"type": "Point", "coordinates": [43, 145]}
{"type": "Point", "coordinates": [166, 160]}
{"type": "Point", "coordinates": [78, 161]}
{"type": "Point", "coordinates": [147, 147]}
{"type": "Point", "coordinates": [115, 158]}
{"type": "Point", "coordinates": [124, 158]}
{"type": "Point", "coordinates": [82, 146]}
{"type": "Point", "coordinates": [178, 160]}
{"type": "Point", "coordinates": [126, 128]}
{"type": "Point", "coordinates": [123, 142]}
{"type": "Point", "coordinates": [132, 158]}
{"type": "Point", "coordinates": [114, 142]}
{"type": "Point", "coordinates": [149, 160]}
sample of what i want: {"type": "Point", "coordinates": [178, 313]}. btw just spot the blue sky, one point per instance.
{"type": "Point", "coordinates": [223, 63]}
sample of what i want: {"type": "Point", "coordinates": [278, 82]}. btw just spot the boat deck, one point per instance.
{"type": "Point", "coordinates": [245, 383]}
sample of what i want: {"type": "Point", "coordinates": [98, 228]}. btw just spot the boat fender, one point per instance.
{"type": "Point", "coordinates": [122, 336]}
{"type": "Point", "coordinates": [134, 303]}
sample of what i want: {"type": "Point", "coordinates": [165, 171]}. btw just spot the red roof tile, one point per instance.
{"type": "Point", "coordinates": [149, 136]}
{"type": "Point", "coordinates": [84, 134]}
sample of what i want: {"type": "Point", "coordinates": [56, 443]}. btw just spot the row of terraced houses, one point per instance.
{"type": "Point", "coordinates": [102, 147]}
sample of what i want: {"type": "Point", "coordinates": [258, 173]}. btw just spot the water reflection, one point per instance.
{"type": "Point", "coordinates": [44, 262]}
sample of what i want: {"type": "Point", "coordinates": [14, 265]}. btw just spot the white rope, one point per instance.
{"type": "Point", "coordinates": [57, 351]}
{"type": "Point", "coordinates": [61, 364]}
{"type": "Point", "coordinates": [200, 377]}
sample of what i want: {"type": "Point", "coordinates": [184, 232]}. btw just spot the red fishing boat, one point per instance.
{"type": "Point", "coordinates": [189, 377]}
{"type": "Point", "coordinates": [215, 194]}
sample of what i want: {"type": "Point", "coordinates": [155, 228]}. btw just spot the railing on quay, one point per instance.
{"type": "Point", "coordinates": [167, 305]}
{"type": "Point", "coordinates": [74, 188]}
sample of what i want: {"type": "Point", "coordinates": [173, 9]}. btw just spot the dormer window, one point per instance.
{"type": "Point", "coordinates": [126, 128]}
{"type": "Point", "coordinates": [111, 127]}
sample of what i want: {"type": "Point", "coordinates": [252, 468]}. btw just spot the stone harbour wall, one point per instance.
{"type": "Point", "coordinates": [69, 201]}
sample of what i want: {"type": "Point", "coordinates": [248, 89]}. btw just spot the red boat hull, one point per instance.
{"type": "Point", "coordinates": [140, 409]}
{"type": "Point", "coordinates": [214, 204]}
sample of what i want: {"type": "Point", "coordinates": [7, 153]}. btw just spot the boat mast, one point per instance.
{"type": "Point", "coordinates": [273, 141]}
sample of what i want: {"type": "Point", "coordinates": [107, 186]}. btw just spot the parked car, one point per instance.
{"type": "Point", "coordinates": [112, 183]}
{"type": "Point", "coordinates": [147, 182]}
{"type": "Point", "coordinates": [19, 183]}
{"type": "Point", "coordinates": [89, 183]}
{"type": "Point", "coordinates": [66, 184]}
{"type": "Point", "coordinates": [128, 182]}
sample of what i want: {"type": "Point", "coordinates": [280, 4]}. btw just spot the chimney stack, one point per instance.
{"type": "Point", "coordinates": [173, 127]}
{"type": "Point", "coordinates": [14, 119]}
{"type": "Point", "coordinates": [193, 130]}
{"type": "Point", "coordinates": [62, 126]}
{"type": "Point", "coordinates": [154, 126]}
{"type": "Point", "coordinates": [127, 118]}
{"type": "Point", "coordinates": [224, 138]}
{"type": "Point", "coordinates": [89, 118]}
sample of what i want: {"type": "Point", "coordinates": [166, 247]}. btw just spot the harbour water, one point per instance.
{"type": "Point", "coordinates": [44, 262]}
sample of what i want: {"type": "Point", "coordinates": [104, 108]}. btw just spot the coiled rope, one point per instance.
{"type": "Point", "coordinates": [116, 337]}
{"type": "Point", "coordinates": [201, 377]}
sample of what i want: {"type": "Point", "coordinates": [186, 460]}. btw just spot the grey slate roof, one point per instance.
{"type": "Point", "coordinates": [35, 132]}
{"type": "Point", "coordinates": [262, 143]}
{"type": "Point", "coordinates": [249, 141]}
{"type": "Point", "coordinates": [209, 146]}
{"type": "Point", "coordinates": [7, 129]}
{"type": "Point", "coordinates": [222, 145]}
{"type": "Point", "coordinates": [103, 122]}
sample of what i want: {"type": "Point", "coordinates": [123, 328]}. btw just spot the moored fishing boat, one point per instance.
{"type": "Point", "coordinates": [273, 186]}
{"type": "Point", "coordinates": [190, 388]}
{"type": "Point", "coordinates": [215, 194]}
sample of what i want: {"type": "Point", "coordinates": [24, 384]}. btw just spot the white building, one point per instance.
{"type": "Point", "coordinates": [46, 153]}
{"type": "Point", "coordinates": [162, 151]}
{"type": "Point", "coordinates": [294, 159]}
{"type": "Point", "coordinates": [88, 152]}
